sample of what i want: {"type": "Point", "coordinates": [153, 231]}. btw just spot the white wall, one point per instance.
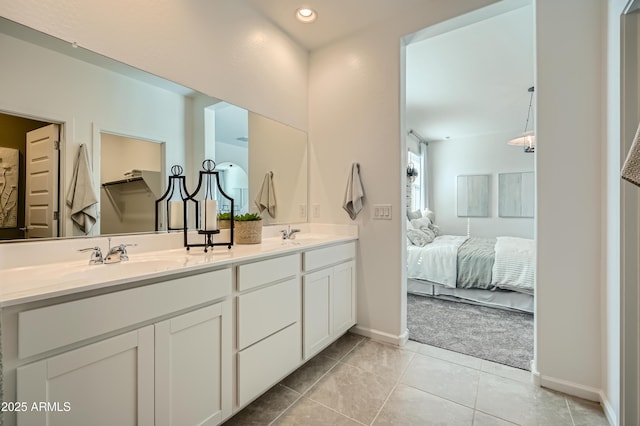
{"type": "Point", "coordinates": [480, 155]}
{"type": "Point", "coordinates": [92, 99]}
{"type": "Point", "coordinates": [354, 115]}
{"type": "Point", "coordinates": [222, 48]}
{"type": "Point", "coordinates": [569, 134]}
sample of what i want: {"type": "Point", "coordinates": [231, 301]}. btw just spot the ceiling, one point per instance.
{"type": "Point", "coordinates": [469, 80]}
{"type": "Point", "coordinates": [336, 18]}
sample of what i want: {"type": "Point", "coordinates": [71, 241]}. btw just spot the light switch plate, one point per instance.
{"type": "Point", "coordinates": [382, 211]}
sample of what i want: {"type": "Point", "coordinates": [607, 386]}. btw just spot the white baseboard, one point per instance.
{"type": "Point", "coordinates": [400, 340]}
{"type": "Point", "coordinates": [570, 388]}
{"type": "Point", "coordinates": [608, 409]}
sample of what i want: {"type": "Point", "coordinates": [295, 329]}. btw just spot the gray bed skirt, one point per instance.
{"type": "Point", "coordinates": [497, 299]}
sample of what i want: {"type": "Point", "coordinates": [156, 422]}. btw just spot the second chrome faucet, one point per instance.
{"type": "Point", "coordinates": [289, 234]}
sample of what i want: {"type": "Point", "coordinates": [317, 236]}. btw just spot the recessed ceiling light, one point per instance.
{"type": "Point", "coordinates": [306, 15]}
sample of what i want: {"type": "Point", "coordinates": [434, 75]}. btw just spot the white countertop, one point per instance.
{"type": "Point", "coordinates": [32, 283]}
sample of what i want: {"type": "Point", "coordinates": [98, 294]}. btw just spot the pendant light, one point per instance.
{"type": "Point", "coordinates": [527, 139]}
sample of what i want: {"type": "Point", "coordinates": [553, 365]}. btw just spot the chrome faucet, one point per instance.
{"type": "Point", "coordinates": [96, 255]}
{"type": "Point", "coordinates": [289, 234]}
{"type": "Point", "coordinates": [114, 255]}
{"type": "Point", "coordinates": [118, 253]}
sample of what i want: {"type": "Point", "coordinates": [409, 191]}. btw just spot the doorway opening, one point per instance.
{"type": "Point", "coordinates": [469, 195]}
{"type": "Point", "coordinates": [29, 177]}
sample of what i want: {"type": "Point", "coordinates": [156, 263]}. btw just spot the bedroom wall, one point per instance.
{"type": "Point", "coordinates": [479, 155]}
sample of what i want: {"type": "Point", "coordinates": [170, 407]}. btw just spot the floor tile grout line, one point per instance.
{"type": "Point", "coordinates": [302, 394]}
{"type": "Point", "coordinates": [566, 401]}
{"type": "Point", "coordinates": [497, 417]}
{"type": "Point", "coordinates": [395, 386]}
{"type": "Point", "coordinates": [335, 411]}
{"type": "Point", "coordinates": [482, 361]}
{"type": "Point", "coordinates": [438, 396]}
{"type": "Point", "coordinates": [289, 406]}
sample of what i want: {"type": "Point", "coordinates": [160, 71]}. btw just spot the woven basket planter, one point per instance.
{"type": "Point", "coordinates": [247, 232]}
{"type": "Point", "coordinates": [224, 224]}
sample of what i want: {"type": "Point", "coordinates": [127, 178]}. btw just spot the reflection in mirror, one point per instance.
{"type": "Point", "coordinates": [235, 183]}
{"type": "Point", "coordinates": [93, 100]}
{"type": "Point", "coordinates": [130, 182]}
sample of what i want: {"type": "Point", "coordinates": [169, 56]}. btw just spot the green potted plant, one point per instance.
{"type": "Point", "coordinates": [224, 220]}
{"type": "Point", "coordinates": [247, 228]}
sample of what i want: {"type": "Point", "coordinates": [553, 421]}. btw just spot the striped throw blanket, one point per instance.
{"type": "Point", "coordinates": [514, 266]}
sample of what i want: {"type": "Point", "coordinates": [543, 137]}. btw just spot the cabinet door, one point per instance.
{"type": "Point", "coordinates": [106, 383]}
{"type": "Point", "coordinates": [317, 311]}
{"type": "Point", "coordinates": [344, 298]}
{"type": "Point", "coordinates": [193, 367]}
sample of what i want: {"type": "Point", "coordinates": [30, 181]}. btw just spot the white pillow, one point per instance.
{"type": "Point", "coordinates": [417, 214]}
{"type": "Point", "coordinates": [430, 214]}
{"type": "Point", "coordinates": [419, 238]}
{"type": "Point", "coordinates": [423, 224]}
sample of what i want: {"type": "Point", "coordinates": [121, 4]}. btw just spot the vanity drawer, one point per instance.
{"type": "Point", "coordinates": [256, 274]}
{"type": "Point", "coordinates": [265, 311]}
{"type": "Point", "coordinates": [315, 259]}
{"type": "Point", "coordinates": [51, 327]}
{"type": "Point", "coordinates": [266, 362]}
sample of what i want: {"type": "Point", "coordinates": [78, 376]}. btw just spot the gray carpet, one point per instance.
{"type": "Point", "coordinates": [493, 334]}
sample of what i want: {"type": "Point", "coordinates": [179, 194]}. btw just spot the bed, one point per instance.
{"type": "Point", "coordinates": [496, 272]}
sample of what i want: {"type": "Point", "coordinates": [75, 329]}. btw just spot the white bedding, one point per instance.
{"type": "Point", "coordinates": [436, 262]}
{"type": "Point", "coordinates": [514, 266]}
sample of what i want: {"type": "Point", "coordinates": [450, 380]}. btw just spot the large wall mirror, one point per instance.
{"type": "Point", "coordinates": [134, 127]}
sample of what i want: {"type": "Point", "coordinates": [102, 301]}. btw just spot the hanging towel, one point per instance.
{"type": "Point", "coordinates": [354, 194]}
{"type": "Point", "coordinates": [266, 198]}
{"type": "Point", "coordinates": [81, 197]}
{"type": "Point", "coordinates": [631, 167]}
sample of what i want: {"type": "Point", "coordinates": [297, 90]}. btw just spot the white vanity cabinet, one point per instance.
{"type": "Point", "coordinates": [175, 369]}
{"type": "Point", "coordinates": [268, 324]}
{"type": "Point", "coordinates": [189, 348]}
{"type": "Point", "coordinates": [193, 367]}
{"type": "Point", "coordinates": [329, 298]}
{"type": "Point", "coordinates": [105, 383]}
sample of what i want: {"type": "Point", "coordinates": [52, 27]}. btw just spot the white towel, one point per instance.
{"type": "Point", "coordinates": [81, 197]}
{"type": "Point", "coordinates": [266, 198]}
{"type": "Point", "coordinates": [631, 167]}
{"type": "Point", "coordinates": [354, 194]}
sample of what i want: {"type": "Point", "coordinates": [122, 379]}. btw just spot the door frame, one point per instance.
{"type": "Point", "coordinates": [629, 220]}
{"type": "Point", "coordinates": [66, 124]}
{"type": "Point", "coordinates": [98, 129]}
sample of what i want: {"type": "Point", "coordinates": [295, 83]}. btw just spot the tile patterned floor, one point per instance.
{"type": "Point", "coordinates": [358, 381]}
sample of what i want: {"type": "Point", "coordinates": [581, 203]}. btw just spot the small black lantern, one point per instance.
{"type": "Point", "coordinates": [175, 202]}
{"type": "Point", "coordinates": [207, 207]}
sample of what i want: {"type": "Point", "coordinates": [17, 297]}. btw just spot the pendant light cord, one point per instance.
{"type": "Point", "coordinates": [526, 124]}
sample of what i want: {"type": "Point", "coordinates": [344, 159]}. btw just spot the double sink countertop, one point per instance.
{"type": "Point", "coordinates": [38, 282]}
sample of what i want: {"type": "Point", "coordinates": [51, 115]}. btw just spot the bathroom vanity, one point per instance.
{"type": "Point", "coordinates": [169, 337]}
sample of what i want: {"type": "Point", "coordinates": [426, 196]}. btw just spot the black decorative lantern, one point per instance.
{"type": "Point", "coordinates": [207, 207]}
{"type": "Point", "coordinates": [175, 202]}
